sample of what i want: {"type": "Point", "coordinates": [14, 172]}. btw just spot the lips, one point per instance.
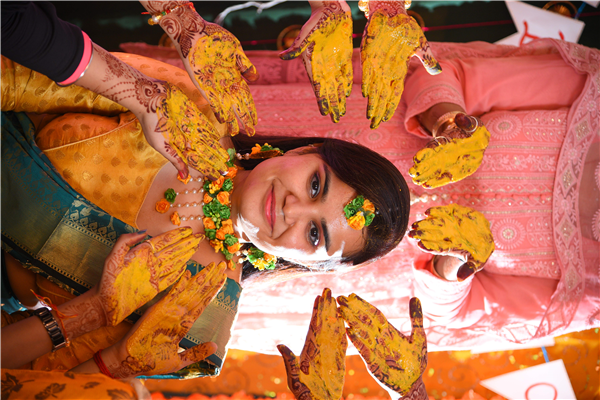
{"type": "Point", "coordinates": [270, 208]}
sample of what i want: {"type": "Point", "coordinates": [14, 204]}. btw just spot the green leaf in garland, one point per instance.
{"type": "Point", "coordinates": [369, 219]}
{"type": "Point", "coordinates": [231, 153]}
{"type": "Point", "coordinates": [170, 195]}
{"type": "Point", "coordinates": [230, 240]}
{"type": "Point", "coordinates": [211, 234]}
{"type": "Point", "coordinates": [227, 185]}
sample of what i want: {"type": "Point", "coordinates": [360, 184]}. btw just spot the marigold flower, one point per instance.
{"type": "Point", "coordinates": [227, 227]}
{"type": "Point", "coordinates": [186, 180]}
{"type": "Point", "coordinates": [162, 206]}
{"type": "Point", "coordinates": [231, 172]}
{"type": "Point", "coordinates": [260, 264]}
{"type": "Point", "coordinates": [217, 245]}
{"type": "Point", "coordinates": [223, 198]}
{"type": "Point", "coordinates": [368, 206]}
{"type": "Point", "coordinates": [175, 220]}
{"type": "Point", "coordinates": [357, 221]}
{"type": "Point", "coordinates": [220, 234]}
{"type": "Point", "coordinates": [234, 248]}
{"type": "Point", "coordinates": [230, 265]}
{"type": "Point", "coordinates": [269, 257]}
{"type": "Point", "coordinates": [207, 198]}
{"type": "Point", "coordinates": [216, 185]}
{"type": "Point", "coordinates": [256, 148]}
{"type": "Point", "coordinates": [208, 223]}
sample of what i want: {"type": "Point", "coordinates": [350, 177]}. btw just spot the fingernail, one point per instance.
{"type": "Point", "coordinates": [144, 231]}
{"type": "Point", "coordinates": [464, 272]}
{"type": "Point", "coordinates": [182, 175]}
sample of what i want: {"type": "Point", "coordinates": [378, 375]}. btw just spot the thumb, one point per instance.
{"type": "Point", "coordinates": [426, 56]}
{"type": "Point", "coordinates": [246, 68]}
{"type": "Point", "coordinates": [465, 271]}
{"type": "Point", "coordinates": [416, 317]}
{"type": "Point", "coordinates": [295, 49]}
{"type": "Point", "coordinates": [290, 360]}
{"type": "Point", "coordinates": [197, 353]}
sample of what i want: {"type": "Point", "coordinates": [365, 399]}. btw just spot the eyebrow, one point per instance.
{"type": "Point", "coordinates": [323, 200]}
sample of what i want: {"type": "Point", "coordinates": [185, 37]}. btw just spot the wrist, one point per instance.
{"type": "Point", "coordinates": [83, 314]}
{"type": "Point", "coordinates": [390, 8]}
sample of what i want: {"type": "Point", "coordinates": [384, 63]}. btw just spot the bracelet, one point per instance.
{"type": "Point", "coordinates": [155, 19]}
{"type": "Point", "coordinates": [84, 64]}
{"type": "Point", "coordinates": [100, 363]}
{"type": "Point", "coordinates": [363, 5]}
{"type": "Point", "coordinates": [56, 335]}
{"type": "Point", "coordinates": [444, 118]}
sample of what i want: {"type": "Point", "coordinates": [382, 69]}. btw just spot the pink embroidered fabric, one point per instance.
{"type": "Point", "coordinates": [541, 104]}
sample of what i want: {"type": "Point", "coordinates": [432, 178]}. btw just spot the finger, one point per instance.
{"type": "Point", "coordinates": [164, 240]}
{"type": "Point", "coordinates": [197, 353]}
{"type": "Point", "coordinates": [232, 126]}
{"type": "Point", "coordinates": [341, 93]}
{"type": "Point", "coordinates": [397, 90]}
{"type": "Point", "coordinates": [416, 316]}
{"type": "Point", "coordinates": [347, 73]}
{"type": "Point", "coordinates": [175, 249]}
{"type": "Point", "coordinates": [465, 271]}
{"type": "Point", "coordinates": [380, 105]}
{"type": "Point", "coordinates": [246, 68]}
{"type": "Point", "coordinates": [297, 48]}
{"type": "Point", "coordinates": [428, 60]}
{"type": "Point", "coordinates": [334, 100]}
{"type": "Point", "coordinates": [319, 84]}
{"type": "Point", "coordinates": [289, 359]}
{"type": "Point", "coordinates": [465, 122]}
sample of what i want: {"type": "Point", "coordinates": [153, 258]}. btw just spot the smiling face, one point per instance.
{"type": "Point", "coordinates": [292, 207]}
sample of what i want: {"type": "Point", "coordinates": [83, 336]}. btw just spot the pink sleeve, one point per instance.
{"type": "Point", "coordinates": [423, 91]}
{"type": "Point", "coordinates": [500, 298]}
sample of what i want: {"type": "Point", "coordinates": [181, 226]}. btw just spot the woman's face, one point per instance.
{"type": "Point", "coordinates": [292, 207]}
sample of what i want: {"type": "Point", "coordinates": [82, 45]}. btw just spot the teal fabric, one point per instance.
{"type": "Point", "coordinates": [57, 233]}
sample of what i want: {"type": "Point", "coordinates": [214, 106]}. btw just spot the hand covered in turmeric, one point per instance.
{"type": "Point", "coordinates": [133, 276]}
{"type": "Point", "coordinates": [390, 39]}
{"type": "Point", "coordinates": [215, 61]}
{"type": "Point", "coordinates": [325, 43]}
{"type": "Point", "coordinates": [453, 155]}
{"type": "Point", "coordinates": [395, 360]}
{"type": "Point", "coordinates": [319, 372]}
{"type": "Point", "coordinates": [456, 231]}
{"type": "Point", "coordinates": [150, 348]}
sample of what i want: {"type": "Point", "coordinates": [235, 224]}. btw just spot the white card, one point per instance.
{"type": "Point", "coordinates": [544, 382]}
{"type": "Point", "coordinates": [533, 23]}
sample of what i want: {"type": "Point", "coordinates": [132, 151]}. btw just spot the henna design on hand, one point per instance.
{"type": "Point", "coordinates": [395, 360]}
{"type": "Point", "coordinates": [319, 373]}
{"type": "Point", "coordinates": [456, 231]}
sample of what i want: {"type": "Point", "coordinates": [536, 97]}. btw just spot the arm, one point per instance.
{"type": "Point", "coordinates": [131, 277]}
{"type": "Point", "coordinates": [151, 346]}
{"type": "Point", "coordinates": [215, 61]}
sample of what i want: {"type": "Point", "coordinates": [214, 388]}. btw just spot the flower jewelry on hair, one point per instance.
{"type": "Point", "coordinates": [259, 259]}
{"type": "Point", "coordinates": [261, 152]}
{"type": "Point", "coordinates": [359, 213]}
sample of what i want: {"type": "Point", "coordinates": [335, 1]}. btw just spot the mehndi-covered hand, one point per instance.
{"type": "Point", "coordinates": [151, 346]}
{"type": "Point", "coordinates": [389, 40]}
{"type": "Point", "coordinates": [453, 155]}
{"type": "Point", "coordinates": [456, 231]}
{"type": "Point", "coordinates": [215, 61]}
{"type": "Point", "coordinates": [319, 372]}
{"type": "Point", "coordinates": [172, 124]}
{"type": "Point", "coordinates": [395, 360]}
{"type": "Point", "coordinates": [133, 276]}
{"type": "Point", "coordinates": [325, 43]}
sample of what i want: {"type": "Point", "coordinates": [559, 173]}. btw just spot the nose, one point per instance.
{"type": "Point", "coordinates": [295, 209]}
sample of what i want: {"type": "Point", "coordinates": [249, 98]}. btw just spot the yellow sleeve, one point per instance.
{"type": "Point", "coordinates": [29, 91]}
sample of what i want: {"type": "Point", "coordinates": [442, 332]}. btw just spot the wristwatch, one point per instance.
{"type": "Point", "coordinates": [56, 335]}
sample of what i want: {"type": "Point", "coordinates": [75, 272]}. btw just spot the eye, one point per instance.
{"type": "Point", "coordinates": [313, 234]}
{"type": "Point", "coordinates": [315, 186]}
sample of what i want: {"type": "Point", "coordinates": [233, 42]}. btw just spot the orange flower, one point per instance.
{"type": "Point", "coordinates": [231, 265]}
{"type": "Point", "coordinates": [233, 249]}
{"type": "Point", "coordinates": [186, 180]}
{"type": "Point", "coordinates": [220, 235]}
{"type": "Point", "coordinates": [216, 185]}
{"type": "Point", "coordinates": [231, 172]}
{"type": "Point", "coordinates": [223, 198]}
{"type": "Point", "coordinates": [368, 206]}
{"type": "Point", "coordinates": [207, 198]}
{"type": "Point", "coordinates": [357, 221]}
{"type": "Point", "coordinates": [270, 257]}
{"type": "Point", "coordinates": [217, 245]}
{"type": "Point", "coordinates": [175, 218]}
{"type": "Point", "coordinates": [227, 227]}
{"type": "Point", "coordinates": [257, 147]}
{"type": "Point", "coordinates": [208, 223]}
{"type": "Point", "coordinates": [162, 206]}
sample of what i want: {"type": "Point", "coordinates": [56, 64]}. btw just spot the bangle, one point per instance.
{"type": "Point", "coordinates": [86, 60]}
{"type": "Point", "coordinates": [56, 335]}
{"type": "Point", "coordinates": [443, 119]}
{"type": "Point", "coordinates": [155, 19]}
{"type": "Point", "coordinates": [100, 363]}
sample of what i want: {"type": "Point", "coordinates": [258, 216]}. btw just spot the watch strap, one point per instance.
{"type": "Point", "coordinates": [52, 327]}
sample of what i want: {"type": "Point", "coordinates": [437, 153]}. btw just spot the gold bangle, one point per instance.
{"type": "Point", "coordinates": [444, 118]}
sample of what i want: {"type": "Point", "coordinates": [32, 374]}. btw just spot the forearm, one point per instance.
{"type": "Point", "coordinates": [117, 81]}
{"type": "Point", "coordinates": [317, 4]}
{"type": "Point", "coordinates": [28, 339]}
{"type": "Point", "coordinates": [446, 267]}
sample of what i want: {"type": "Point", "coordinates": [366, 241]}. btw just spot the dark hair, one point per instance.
{"type": "Point", "coordinates": [368, 173]}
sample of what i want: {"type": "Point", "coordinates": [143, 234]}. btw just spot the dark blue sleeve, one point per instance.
{"type": "Point", "coordinates": [33, 36]}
